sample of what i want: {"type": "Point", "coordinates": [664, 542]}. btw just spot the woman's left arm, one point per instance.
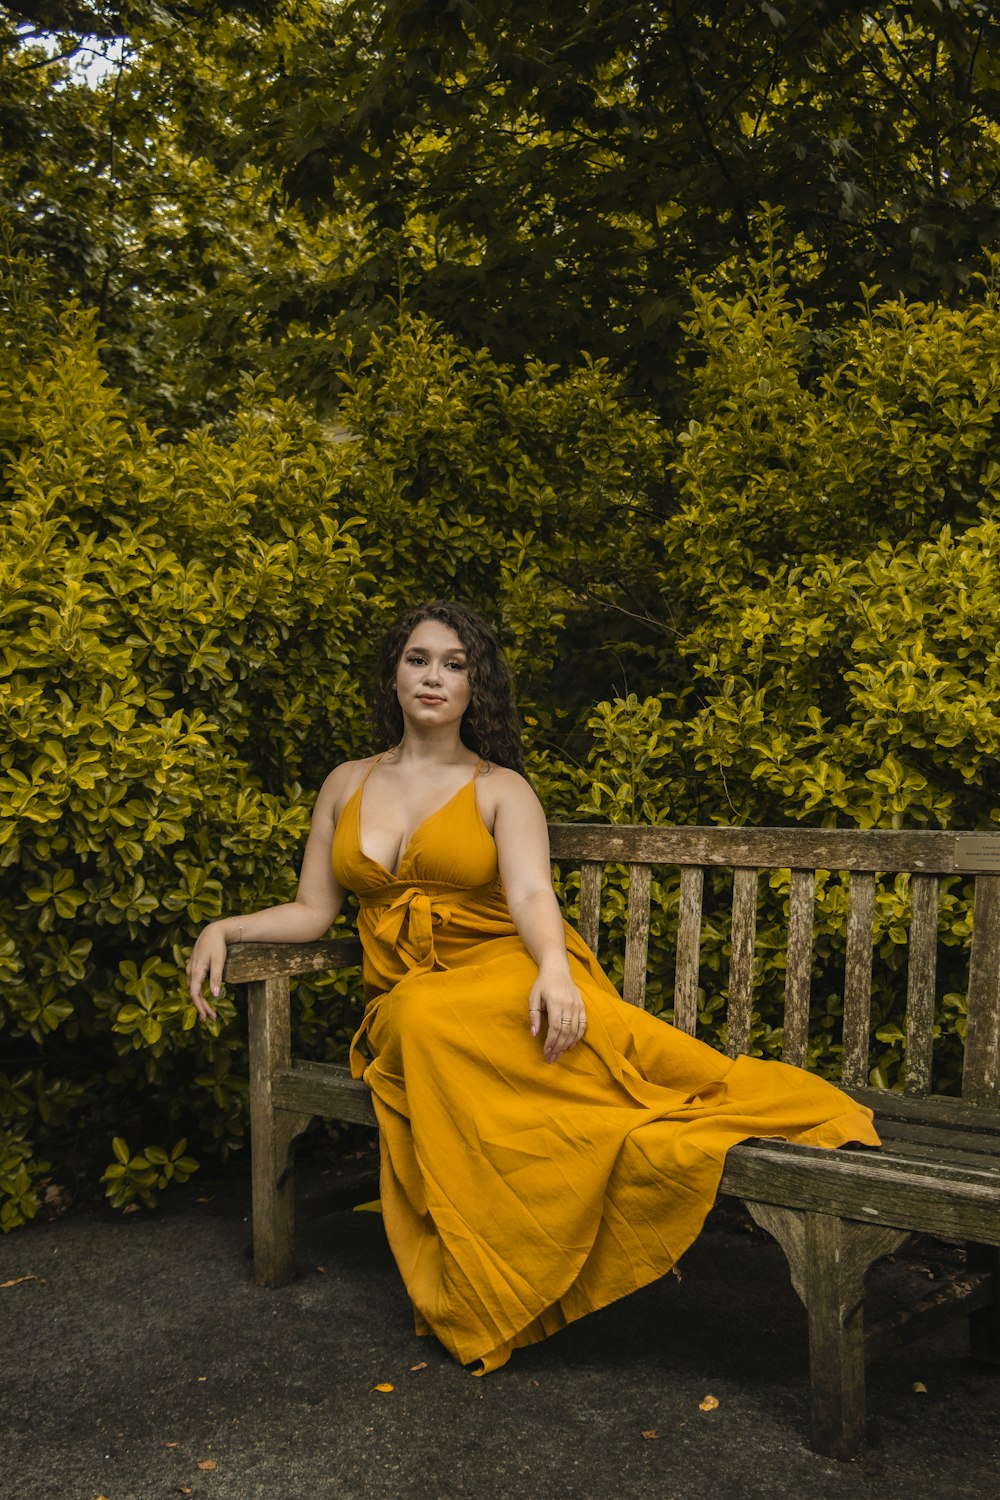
{"type": "Point", "coordinates": [522, 840]}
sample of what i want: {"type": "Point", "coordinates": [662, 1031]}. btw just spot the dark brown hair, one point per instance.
{"type": "Point", "coordinates": [490, 724]}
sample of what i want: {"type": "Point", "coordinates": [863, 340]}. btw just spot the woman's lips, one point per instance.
{"type": "Point", "coordinates": [429, 698]}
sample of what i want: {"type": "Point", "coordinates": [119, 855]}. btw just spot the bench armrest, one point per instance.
{"type": "Point", "coordinates": [246, 962]}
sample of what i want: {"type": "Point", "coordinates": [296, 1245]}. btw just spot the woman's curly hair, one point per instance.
{"type": "Point", "coordinates": [490, 724]}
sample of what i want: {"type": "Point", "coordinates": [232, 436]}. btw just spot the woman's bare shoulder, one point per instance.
{"type": "Point", "coordinates": [498, 787]}
{"type": "Point", "coordinates": [341, 784]}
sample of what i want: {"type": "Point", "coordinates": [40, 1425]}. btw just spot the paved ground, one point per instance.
{"type": "Point", "coordinates": [139, 1350]}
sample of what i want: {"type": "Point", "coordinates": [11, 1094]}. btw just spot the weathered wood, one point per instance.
{"type": "Point", "coordinates": [798, 967]}
{"type": "Point", "coordinates": [932, 852]}
{"type": "Point", "coordinates": [788, 1227]}
{"type": "Point", "coordinates": [743, 933]}
{"type": "Point", "coordinates": [835, 1310]}
{"type": "Point", "coordinates": [323, 1089]}
{"type": "Point", "coordinates": [877, 1165]}
{"type": "Point", "coordinates": [940, 1110]}
{"type": "Point", "coordinates": [858, 981]}
{"type": "Point", "coordinates": [246, 962]}
{"type": "Point", "coordinates": [828, 1260]}
{"type": "Point", "coordinates": [590, 903]}
{"type": "Point", "coordinates": [272, 1135]}
{"type": "Point", "coordinates": [959, 1296]}
{"type": "Point", "coordinates": [941, 1139]}
{"type": "Point", "coordinates": [981, 1074]}
{"type": "Point", "coordinates": [920, 982]}
{"type": "Point", "coordinates": [900, 1194]}
{"type": "Point", "coordinates": [836, 1260]}
{"type": "Point", "coordinates": [636, 936]}
{"type": "Point", "coordinates": [916, 1142]}
{"type": "Point", "coordinates": [688, 949]}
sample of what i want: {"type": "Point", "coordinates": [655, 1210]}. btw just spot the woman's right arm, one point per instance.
{"type": "Point", "coordinates": [317, 902]}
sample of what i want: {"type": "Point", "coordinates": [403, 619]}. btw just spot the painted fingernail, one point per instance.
{"type": "Point", "coordinates": [215, 991]}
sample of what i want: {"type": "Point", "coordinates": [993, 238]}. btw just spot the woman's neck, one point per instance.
{"type": "Point", "coordinates": [433, 747]}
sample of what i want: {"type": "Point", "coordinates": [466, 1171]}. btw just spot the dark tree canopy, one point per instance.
{"type": "Point", "coordinates": [545, 176]}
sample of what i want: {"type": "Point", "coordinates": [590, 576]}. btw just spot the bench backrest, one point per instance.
{"type": "Point", "coordinates": [691, 853]}
{"type": "Point", "coordinates": [864, 855]}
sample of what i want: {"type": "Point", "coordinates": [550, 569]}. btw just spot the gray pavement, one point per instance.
{"type": "Point", "coordinates": [140, 1351]}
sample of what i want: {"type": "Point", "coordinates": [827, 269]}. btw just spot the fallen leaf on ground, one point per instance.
{"type": "Point", "coordinates": [18, 1281]}
{"type": "Point", "coordinates": [422, 1365]}
{"type": "Point", "coordinates": [321, 1270]}
{"type": "Point", "coordinates": [207, 1463]}
{"type": "Point", "coordinates": [675, 1271]}
{"type": "Point", "coordinates": [919, 1387]}
{"type": "Point", "coordinates": [709, 1403]}
{"type": "Point", "coordinates": [651, 1434]}
{"type": "Point", "coordinates": [170, 1445]}
{"type": "Point", "coordinates": [183, 1489]}
{"type": "Point", "coordinates": [383, 1386]}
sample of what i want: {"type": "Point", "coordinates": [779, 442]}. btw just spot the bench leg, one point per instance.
{"type": "Point", "coordinates": [835, 1305]}
{"type": "Point", "coordinates": [273, 1184]}
{"type": "Point", "coordinates": [272, 1134]}
{"type": "Point", "coordinates": [829, 1259]}
{"type": "Point", "coordinates": [984, 1323]}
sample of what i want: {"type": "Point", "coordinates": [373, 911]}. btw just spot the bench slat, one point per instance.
{"type": "Point", "coordinates": [938, 1111]}
{"type": "Point", "coordinates": [858, 980]}
{"type": "Point", "coordinates": [870, 1188]}
{"type": "Point", "coordinates": [636, 936]}
{"type": "Point", "coordinates": [743, 933]}
{"type": "Point", "coordinates": [798, 967]}
{"type": "Point", "coordinates": [590, 903]}
{"type": "Point", "coordinates": [246, 962]}
{"type": "Point", "coordinates": [923, 852]}
{"type": "Point", "coordinates": [323, 1089]}
{"type": "Point", "coordinates": [935, 1151]}
{"type": "Point", "coordinates": [688, 949]}
{"type": "Point", "coordinates": [981, 1074]}
{"type": "Point", "coordinates": [920, 982]}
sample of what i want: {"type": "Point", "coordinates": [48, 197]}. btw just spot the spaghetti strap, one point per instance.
{"type": "Point", "coordinates": [367, 773]}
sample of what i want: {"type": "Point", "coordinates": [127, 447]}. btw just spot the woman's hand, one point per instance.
{"type": "Point", "coordinates": [558, 997]}
{"type": "Point", "coordinates": [208, 957]}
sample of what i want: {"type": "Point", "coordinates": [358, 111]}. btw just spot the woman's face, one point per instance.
{"type": "Point", "coordinates": [432, 677]}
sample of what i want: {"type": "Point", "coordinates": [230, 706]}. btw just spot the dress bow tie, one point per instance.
{"type": "Point", "coordinates": [408, 926]}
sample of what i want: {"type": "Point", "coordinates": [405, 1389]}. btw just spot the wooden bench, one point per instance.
{"type": "Point", "coordinates": [834, 1213]}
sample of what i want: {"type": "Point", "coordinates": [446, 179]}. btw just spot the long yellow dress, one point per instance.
{"type": "Point", "coordinates": [517, 1194]}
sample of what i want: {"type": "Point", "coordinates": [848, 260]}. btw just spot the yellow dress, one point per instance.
{"type": "Point", "coordinates": [517, 1194]}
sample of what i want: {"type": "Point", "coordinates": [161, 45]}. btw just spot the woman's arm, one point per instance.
{"type": "Point", "coordinates": [522, 841]}
{"type": "Point", "coordinates": [317, 902]}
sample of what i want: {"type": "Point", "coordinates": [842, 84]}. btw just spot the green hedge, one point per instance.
{"type": "Point", "coordinates": [808, 577]}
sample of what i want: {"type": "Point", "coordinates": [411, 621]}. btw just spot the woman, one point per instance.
{"type": "Point", "coordinates": [546, 1148]}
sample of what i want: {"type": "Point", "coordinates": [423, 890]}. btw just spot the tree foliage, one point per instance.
{"type": "Point", "coordinates": [548, 178]}
{"type": "Point", "coordinates": [154, 597]}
